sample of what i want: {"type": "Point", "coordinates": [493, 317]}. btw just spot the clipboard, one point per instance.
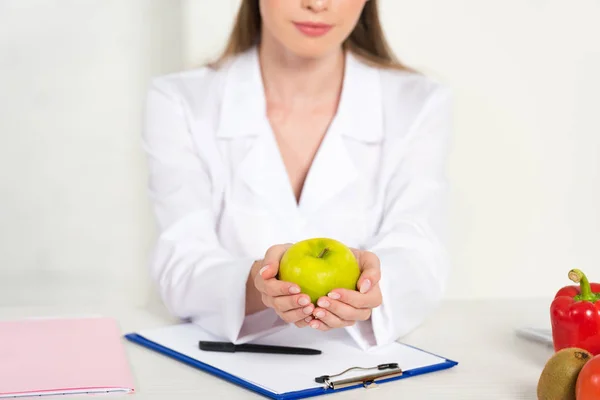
{"type": "Point", "coordinates": [341, 367]}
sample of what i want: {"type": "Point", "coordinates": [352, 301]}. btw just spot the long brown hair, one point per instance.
{"type": "Point", "coordinates": [367, 40]}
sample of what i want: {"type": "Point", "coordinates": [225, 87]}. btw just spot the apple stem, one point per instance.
{"type": "Point", "coordinates": [325, 250]}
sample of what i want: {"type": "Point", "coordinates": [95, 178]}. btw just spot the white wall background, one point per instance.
{"type": "Point", "coordinates": [524, 165]}
{"type": "Point", "coordinates": [72, 174]}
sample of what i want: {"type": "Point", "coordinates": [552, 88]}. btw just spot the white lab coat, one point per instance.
{"type": "Point", "coordinates": [222, 197]}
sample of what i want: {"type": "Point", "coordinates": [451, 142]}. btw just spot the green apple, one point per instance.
{"type": "Point", "coordinates": [318, 266]}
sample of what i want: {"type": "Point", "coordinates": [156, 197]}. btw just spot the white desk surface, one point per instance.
{"type": "Point", "coordinates": [493, 362]}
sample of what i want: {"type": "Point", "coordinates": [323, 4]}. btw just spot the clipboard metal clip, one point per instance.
{"type": "Point", "coordinates": [369, 381]}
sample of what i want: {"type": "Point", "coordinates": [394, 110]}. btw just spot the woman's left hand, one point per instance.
{"type": "Point", "coordinates": [343, 307]}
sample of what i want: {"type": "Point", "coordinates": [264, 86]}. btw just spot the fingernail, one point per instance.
{"type": "Point", "coordinates": [308, 310]}
{"type": "Point", "coordinates": [334, 295]}
{"type": "Point", "coordinates": [307, 319]}
{"type": "Point", "coordinates": [314, 325]}
{"type": "Point", "coordinates": [323, 303]}
{"type": "Point", "coordinates": [365, 286]}
{"type": "Point", "coordinates": [263, 269]}
{"type": "Point", "coordinates": [294, 290]}
{"type": "Point", "coordinates": [320, 314]}
{"type": "Point", "coordinates": [303, 301]}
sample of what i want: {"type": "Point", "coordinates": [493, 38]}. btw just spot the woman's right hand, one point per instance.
{"type": "Point", "coordinates": [283, 297]}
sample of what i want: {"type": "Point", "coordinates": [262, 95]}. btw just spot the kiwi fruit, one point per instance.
{"type": "Point", "coordinates": [559, 376]}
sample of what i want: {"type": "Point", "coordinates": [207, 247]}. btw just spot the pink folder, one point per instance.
{"type": "Point", "coordinates": [62, 356]}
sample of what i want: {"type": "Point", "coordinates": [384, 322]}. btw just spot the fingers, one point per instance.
{"type": "Point", "coordinates": [325, 320]}
{"type": "Point", "coordinates": [342, 310]}
{"type": "Point", "coordinates": [355, 299]}
{"type": "Point", "coordinates": [264, 281]}
{"type": "Point", "coordinates": [283, 297]}
{"type": "Point", "coordinates": [271, 260]}
{"type": "Point", "coordinates": [291, 309]}
{"type": "Point", "coordinates": [371, 272]}
{"type": "Point", "coordinates": [295, 315]}
{"type": "Point", "coordinates": [368, 295]}
{"type": "Point", "coordinates": [286, 303]}
{"type": "Point", "coordinates": [303, 323]}
{"type": "Point", "coordinates": [273, 287]}
{"type": "Point", "coordinates": [316, 324]}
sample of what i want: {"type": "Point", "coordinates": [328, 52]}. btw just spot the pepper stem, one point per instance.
{"type": "Point", "coordinates": [325, 250]}
{"type": "Point", "coordinates": [586, 291]}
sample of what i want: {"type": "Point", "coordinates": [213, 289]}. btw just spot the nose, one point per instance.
{"type": "Point", "coordinates": [316, 5]}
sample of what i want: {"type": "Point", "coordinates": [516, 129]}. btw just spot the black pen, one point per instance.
{"type": "Point", "coordinates": [227, 347]}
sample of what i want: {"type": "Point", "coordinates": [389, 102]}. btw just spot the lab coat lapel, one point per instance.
{"type": "Point", "coordinates": [332, 170]}
{"type": "Point", "coordinates": [244, 121]}
{"type": "Point", "coordinates": [263, 171]}
{"type": "Point", "coordinates": [359, 119]}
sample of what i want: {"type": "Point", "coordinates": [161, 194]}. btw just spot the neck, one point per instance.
{"type": "Point", "coordinates": [293, 80]}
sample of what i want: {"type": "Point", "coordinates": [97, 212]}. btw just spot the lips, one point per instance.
{"type": "Point", "coordinates": [313, 29]}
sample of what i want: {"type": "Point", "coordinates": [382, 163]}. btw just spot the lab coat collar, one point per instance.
{"type": "Point", "coordinates": [243, 108]}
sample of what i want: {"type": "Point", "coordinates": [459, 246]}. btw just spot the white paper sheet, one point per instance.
{"type": "Point", "coordinates": [288, 373]}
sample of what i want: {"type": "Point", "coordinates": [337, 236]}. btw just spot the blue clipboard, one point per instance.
{"type": "Point", "coordinates": [312, 392]}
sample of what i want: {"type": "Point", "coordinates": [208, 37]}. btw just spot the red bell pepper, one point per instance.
{"type": "Point", "coordinates": [575, 315]}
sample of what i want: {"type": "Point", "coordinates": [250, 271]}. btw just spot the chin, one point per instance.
{"type": "Point", "coordinates": [313, 49]}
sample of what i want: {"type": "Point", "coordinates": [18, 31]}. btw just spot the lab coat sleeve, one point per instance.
{"type": "Point", "coordinates": [196, 277]}
{"type": "Point", "coordinates": [410, 242]}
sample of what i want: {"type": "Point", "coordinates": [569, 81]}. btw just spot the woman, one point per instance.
{"type": "Point", "coordinates": [305, 127]}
